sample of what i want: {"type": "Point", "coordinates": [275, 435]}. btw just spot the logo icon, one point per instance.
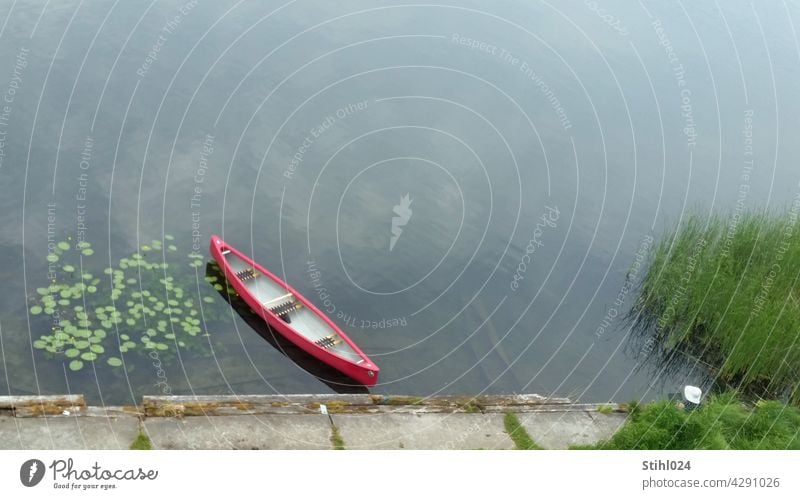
{"type": "Point", "coordinates": [31, 472]}
{"type": "Point", "coordinates": [403, 212]}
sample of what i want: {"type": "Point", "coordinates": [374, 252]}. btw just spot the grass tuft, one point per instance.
{"type": "Point", "coordinates": [141, 442]}
{"type": "Point", "coordinates": [605, 409]}
{"type": "Point", "coordinates": [336, 438]}
{"type": "Point", "coordinates": [518, 434]}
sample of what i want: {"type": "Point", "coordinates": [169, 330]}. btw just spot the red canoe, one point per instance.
{"type": "Point", "coordinates": [292, 315]}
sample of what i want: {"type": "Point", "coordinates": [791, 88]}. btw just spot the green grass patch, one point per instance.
{"type": "Point", "coordinates": [141, 442]}
{"type": "Point", "coordinates": [723, 422]}
{"type": "Point", "coordinates": [336, 438]}
{"type": "Point", "coordinates": [515, 430]}
{"type": "Point", "coordinates": [472, 407]}
{"type": "Point", "coordinates": [605, 409]}
{"type": "Point", "coordinates": [723, 290]}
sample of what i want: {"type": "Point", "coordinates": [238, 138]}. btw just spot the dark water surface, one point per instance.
{"type": "Point", "coordinates": [295, 130]}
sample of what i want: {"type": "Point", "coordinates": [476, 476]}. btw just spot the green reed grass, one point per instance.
{"type": "Point", "coordinates": [723, 422]}
{"type": "Point", "coordinates": [724, 290]}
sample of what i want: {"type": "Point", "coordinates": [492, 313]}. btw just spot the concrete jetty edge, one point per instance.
{"type": "Point", "coordinates": [304, 421]}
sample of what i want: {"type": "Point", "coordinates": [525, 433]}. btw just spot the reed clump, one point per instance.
{"type": "Point", "coordinates": [723, 290]}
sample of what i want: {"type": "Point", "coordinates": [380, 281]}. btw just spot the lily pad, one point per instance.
{"type": "Point", "coordinates": [89, 356]}
{"type": "Point", "coordinates": [36, 310]}
{"type": "Point", "coordinates": [52, 258]}
{"type": "Point", "coordinates": [114, 361]}
{"type": "Point", "coordinates": [76, 365]}
{"type": "Point", "coordinates": [72, 352]}
{"type": "Point", "coordinates": [87, 252]}
{"type": "Point", "coordinates": [63, 245]}
{"type": "Point", "coordinates": [68, 268]}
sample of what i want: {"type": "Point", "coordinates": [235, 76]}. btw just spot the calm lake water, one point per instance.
{"type": "Point", "coordinates": [463, 187]}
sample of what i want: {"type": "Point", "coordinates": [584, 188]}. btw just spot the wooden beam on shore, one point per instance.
{"type": "Point", "coordinates": [233, 405]}
{"type": "Point", "coordinates": [179, 406]}
{"type": "Point", "coordinates": [42, 405]}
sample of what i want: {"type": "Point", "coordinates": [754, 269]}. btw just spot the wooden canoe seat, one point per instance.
{"type": "Point", "coordinates": [282, 309]}
{"type": "Point", "coordinates": [282, 305]}
{"type": "Point", "coordinates": [328, 341]}
{"type": "Point", "coordinates": [247, 274]}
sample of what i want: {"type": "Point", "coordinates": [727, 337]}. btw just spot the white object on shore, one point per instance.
{"type": "Point", "coordinates": [692, 394]}
{"type": "Point", "coordinates": [323, 409]}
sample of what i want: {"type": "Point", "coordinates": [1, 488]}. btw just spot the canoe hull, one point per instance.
{"type": "Point", "coordinates": [364, 370]}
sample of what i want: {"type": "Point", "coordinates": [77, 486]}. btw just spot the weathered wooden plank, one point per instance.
{"type": "Point", "coordinates": [559, 408]}
{"type": "Point", "coordinates": [113, 411]}
{"type": "Point", "coordinates": [227, 405]}
{"type": "Point", "coordinates": [9, 402]}
{"type": "Point", "coordinates": [23, 406]}
{"type": "Point", "coordinates": [178, 406]}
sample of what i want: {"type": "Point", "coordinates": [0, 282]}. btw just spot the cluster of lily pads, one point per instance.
{"type": "Point", "coordinates": [137, 305]}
